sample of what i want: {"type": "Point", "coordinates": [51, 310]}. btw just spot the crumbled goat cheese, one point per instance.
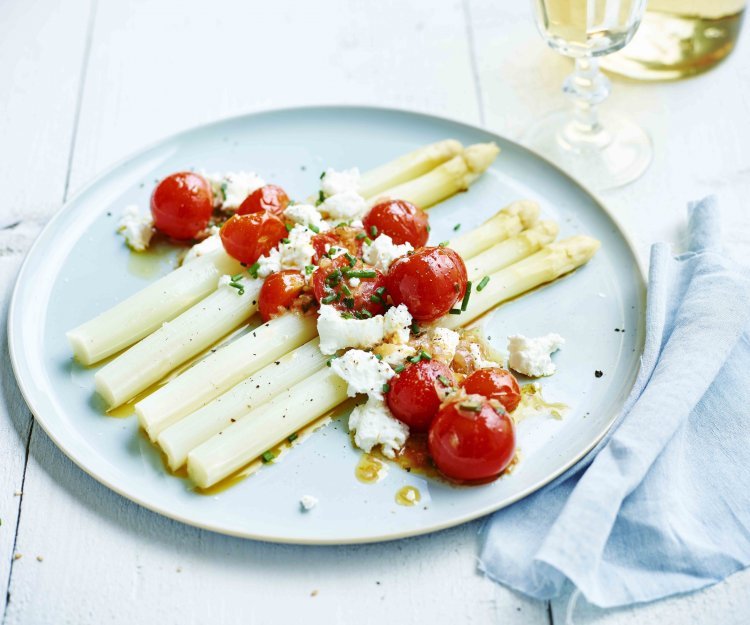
{"type": "Point", "coordinates": [383, 251]}
{"type": "Point", "coordinates": [338, 333]}
{"type": "Point", "coordinates": [308, 502]}
{"type": "Point", "coordinates": [208, 245]}
{"type": "Point", "coordinates": [344, 206]}
{"type": "Point", "coordinates": [136, 228]}
{"type": "Point", "coordinates": [444, 343]}
{"type": "Point", "coordinates": [224, 280]}
{"type": "Point", "coordinates": [531, 356]}
{"type": "Point", "coordinates": [373, 424]}
{"type": "Point", "coordinates": [475, 351]}
{"type": "Point", "coordinates": [394, 355]}
{"type": "Point", "coordinates": [398, 324]}
{"type": "Point", "coordinates": [306, 215]}
{"type": "Point", "coordinates": [293, 255]}
{"type": "Point", "coordinates": [231, 188]}
{"type": "Point", "coordinates": [363, 372]}
{"type": "Point", "coordinates": [357, 223]}
{"type": "Point", "coordinates": [354, 282]}
{"type": "Point", "coordinates": [334, 182]}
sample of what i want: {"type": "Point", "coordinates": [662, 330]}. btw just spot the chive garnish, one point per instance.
{"type": "Point", "coordinates": [429, 227]}
{"type": "Point", "coordinates": [483, 283]}
{"type": "Point", "coordinates": [415, 328]}
{"type": "Point", "coordinates": [314, 228]}
{"type": "Point", "coordinates": [267, 457]}
{"type": "Point", "coordinates": [288, 227]}
{"type": "Point", "coordinates": [365, 314]}
{"type": "Point", "coordinates": [253, 269]}
{"type": "Point", "coordinates": [321, 198]}
{"type": "Point", "coordinates": [361, 236]}
{"type": "Point", "coordinates": [361, 274]}
{"type": "Point", "coordinates": [236, 277]}
{"type": "Point", "coordinates": [322, 175]}
{"type": "Point", "coordinates": [378, 356]}
{"type": "Point", "coordinates": [373, 231]}
{"type": "Point", "coordinates": [239, 287]}
{"type": "Point", "coordinates": [349, 303]}
{"type": "Point", "coordinates": [309, 269]}
{"type": "Point", "coordinates": [292, 437]}
{"type": "Point", "coordinates": [352, 260]}
{"type": "Point", "coordinates": [375, 299]}
{"type": "Point", "coordinates": [380, 291]}
{"type": "Point", "coordinates": [386, 387]}
{"type": "Point", "coordinates": [329, 298]}
{"type": "Point", "coordinates": [346, 315]}
{"type": "Point", "coordinates": [454, 311]}
{"type": "Point", "coordinates": [470, 407]}
{"type": "Point", "coordinates": [456, 228]}
{"type": "Point", "coordinates": [345, 289]}
{"type": "Point", "coordinates": [444, 381]}
{"type": "Point", "coordinates": [414, 359]}
{"type": "Point", "coordinates": [443, 244]}
{"type": "Point", "coordinates": [368, 240]}
{"type": "Point", "coordinates": [331, 359]}
{"type": "Point", "coordinates": [285, 241]}
{"type": "Point", "coordinates": [424, 355]}
{"type": "Point", "coordinates": [399, 368]}
{"type": "Point", "coordinates": [467, 295]}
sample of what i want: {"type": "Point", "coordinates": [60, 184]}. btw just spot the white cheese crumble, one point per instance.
{"type": "Point", "coordinates": [308, 502]}
{"type": "Point", "coordinates": [354, 282]}
{"type": "Point", "coordinates": [334, 182]}
{"type": "Point", "coordinates": [531, 356]}
{"type": "Point", "coordinates": [231, 188]}
{"type": "Point", "coordinates": [475, 351]}
{"type": "Point", "coordinates": [224, 280]}
{"type": "Point", "coordinates": [136, 228]}
{"type": "Point", "coordinates": [373, 424]}
{"type": "Point", "coordinates": [306, 215]}
{"type": "Point", "coordinates": [344, 206]}
{"type": "Point", "coordinates": [444, 343]}
{"type": "Point", "coordinates": [296, 254]}
{"type": "Point", "coordinates": [383, 251]}
{"type": "Point", "coordinates": [363, 372]}
{"type": "Point", "coordinates": [338, 333]}
{"type": "Point", "coordinates": [398, 324]}
{"type": "Point", "coordinates": [208, 245]}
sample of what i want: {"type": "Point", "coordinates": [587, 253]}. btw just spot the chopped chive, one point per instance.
{"type": "Point", "coordinates": [346, 315]}
{"type": "Point", "coordinates": [467, 295]}
{"type": "Point", "coordinates": [361, 236]}
{"type": "Point", "coordinates": [415, 328]}
{"type": "Point", "coordinates": [292, 437]}
{"type": "Point", "coordinates": [285, 241]}
{"type": "Point", "coordinates": [331, 359]}
{"type": "Point", "coordinates": [239, 287]}
{"type": "Point", "coordinates": [483, 283]}
{"type": "Point", "coordinates": [349, 303]}
{"type": "Point", "coordinates": [399, 368]}
{"type": "Point", "coordinates": [443, 244]}
{"type": "Point", "coordinates": [456, 228]}
{"type": "Point", "coordinates": [444, 381]}
{"type": "Point", "coordinates": [309, 269]}
{"type": "Point", "coordinates": [314, 228]}
{"type": "Point", "coordinates": [361, 274]}
{"type": "Point", "coordinates": [386, 387]}
{"type": "Point", "coordinates": [380, 291]}
{"type": "Point", "coordinates": [236, 277]}
{"type": "Point", "coordinates": [253, 270]}
{"type": "Point", "coordinates": [366, 314]}
{"type": "Point", "coordinates": [322, 175]}
{"type": "Point", "coordinates": [345, 289]}
{"type": "Point", "coordinates": [340, 224]}
{"type": "Point", "coordinates": [454, 311]}
{"type": "Point", "coordinates": [378, 356]}
{"type": "Point", "coordinates": [288, 227]}
{"type": "Point", "coordinates": [329, 298]}
{"type": "Point", "coordinates": [352, 260]}
{"type": "Point", "coordinates": [321, 198]}
{"type": "Point", "coordinates": [424, 355]}
{"type": "Point", "coordinates": [373, 231]}
{"type": "Point", "coordinates": [267, 457]}
{"type": "Point", "coordinates": [375, 299]}
{"type": "Point", "coordinates": [414, 359]}
{"type": "Point", "coordinates": [368, 240]}
{"type": "Point", "coordinates": [429, 227]}
{"type": "Point", "coordinates": [470, 407]}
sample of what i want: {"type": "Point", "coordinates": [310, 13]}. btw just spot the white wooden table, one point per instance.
{"type": "Point", "coordinates": [85, 82]}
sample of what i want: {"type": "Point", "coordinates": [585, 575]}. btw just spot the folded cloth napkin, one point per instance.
{"type": "Point", "coordinates": [662, 504]}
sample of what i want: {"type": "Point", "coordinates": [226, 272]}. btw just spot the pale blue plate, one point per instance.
{"type": "Point", "coordinates": [79, 267]}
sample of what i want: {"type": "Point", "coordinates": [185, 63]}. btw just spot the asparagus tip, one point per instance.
{"type": "Point", "coordinates": [479, 157]}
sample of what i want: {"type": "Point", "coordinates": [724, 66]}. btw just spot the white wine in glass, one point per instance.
{"type": "Point", "coordinates": [603, 151]}
{"type": "Point", "coordinates": [679, 38]}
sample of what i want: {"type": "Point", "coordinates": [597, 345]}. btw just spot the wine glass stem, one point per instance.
{"type": "Point", "coordinates": [587, 87]}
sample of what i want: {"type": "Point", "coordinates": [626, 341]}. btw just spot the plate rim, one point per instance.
{"type": "Point", "coordinates": [16, 357]}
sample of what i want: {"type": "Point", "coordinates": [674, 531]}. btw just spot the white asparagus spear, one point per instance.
{"type": "Point", "coordinates": [142, 313]}
{"type": "Point", "coordinates": [221, 370]}
{"type": "Point", "coordinates": [445, 180]}
{"type": "Point", "coordinates": [175, 342]}
{"type": "Point", "coordinates": [177, 440]}
{"type": "Point", "coordinates": [260, 429]}
{"type": "Point", "coordinates": [408, 166]}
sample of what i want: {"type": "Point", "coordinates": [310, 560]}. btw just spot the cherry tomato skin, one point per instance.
{"type": "Point", "coordinates": [400, 220]}
{"type": "Point", "coordinates": [248, 237]}
{"type": "Point", "coordinates": [270, 198]}
{"type": "Point", "coordinates": [278, 292]}
{"type": "Point", "coordinates": [364, 296]}
{"type": "Point", "coordinates": [319, 243]}
{"type": "Point", "coordinates": [471, 446]}
{"type": "Point", "coordinates": [181, 205]}
{"type": "Point", "coordinates": [416, 393]}
{"type": "Point", "coordinates": [495, 383]}
{"type": "Point", "coordinates": [429, 282]}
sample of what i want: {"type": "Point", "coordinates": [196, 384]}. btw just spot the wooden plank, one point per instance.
{"type": "Point", "coordinates": [107, 559]}
{"type": "Point", "coordinates": [40, 75]}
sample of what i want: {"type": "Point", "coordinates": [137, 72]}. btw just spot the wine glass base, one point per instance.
{"type": "Point", "coordinates": [621, 158]}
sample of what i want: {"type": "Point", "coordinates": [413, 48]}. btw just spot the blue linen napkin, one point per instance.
{"type": "Point", "coordinates": [662, 504]}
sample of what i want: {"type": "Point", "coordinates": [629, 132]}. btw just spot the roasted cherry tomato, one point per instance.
{"type": "Point", "coordinates": [181, 205]}
{"type": "Point", "coordinates": [278, 292]}
{"type": "Point", "coordinates": [332, 284]}
{"type": "Point", "coordinates": [495, 383]}
{"type": "Point", "coordinates": [400, 220]}
{"type": "Point", "coordinates": [471, 440]}
{"type": "Point", "coordinates": [341, 236]}
{"type": "Point", "coordinates": [429, 281]}
{"type": "Point", "coordinates": [248, 237]}
{"type": "Point", "coordinates": [417, 392]}
{"type": "Point", "coordinates": [267, 198]}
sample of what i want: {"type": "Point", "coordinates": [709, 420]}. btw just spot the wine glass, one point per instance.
{"type": "Point", "coordinates": [602, 150]}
